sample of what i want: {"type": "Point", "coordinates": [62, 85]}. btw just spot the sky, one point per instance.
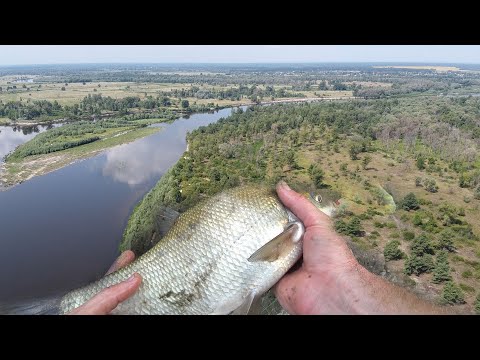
{"type": "Point", "coordinates": [62, 54]}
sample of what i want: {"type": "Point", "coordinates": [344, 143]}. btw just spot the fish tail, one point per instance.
{"type": "Point", "coordinates": [45, 306]}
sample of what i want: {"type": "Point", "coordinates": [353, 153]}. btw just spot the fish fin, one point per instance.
{"type": "Point", "coordinates": [165, 219]}
{"type": "Point", "coordinates": [45, 306]}
{"type": "Point", "coordinates": [251, 305]}
{"type": "Point", "coordinates": [272, 250]}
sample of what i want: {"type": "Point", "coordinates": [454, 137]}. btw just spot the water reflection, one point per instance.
{"type": "Point", "coordinates": [13, 136]}
{"type": "Point", "coordinates": [62, 230]}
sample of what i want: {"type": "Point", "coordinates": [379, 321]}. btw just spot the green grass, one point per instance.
{"type": "Point", "coordinates": [4, 121]}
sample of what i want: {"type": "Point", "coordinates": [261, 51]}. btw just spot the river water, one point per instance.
{"type": "Point", "coordinates": [62, 230]}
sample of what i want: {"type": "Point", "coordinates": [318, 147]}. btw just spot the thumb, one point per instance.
{"type": "Point", "coordinates": [108, 299]}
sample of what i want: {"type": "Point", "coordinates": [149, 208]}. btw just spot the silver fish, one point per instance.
{"type": "Point", "coordinates": [219, 257]}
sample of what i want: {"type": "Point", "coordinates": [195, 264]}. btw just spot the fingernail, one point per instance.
{"type": "Point", "coordinates": [131, 278]}
{"type": "Point", "coordinates": [284, 185]}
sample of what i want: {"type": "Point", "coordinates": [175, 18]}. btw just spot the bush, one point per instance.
{"type": "Point", "coordinates": [419, 264]}
{"type": "Point", "coordinates": [418, 182]}
{"type": "Point", "coordinates": [467, 274]}
{"type": "Point", "coordinates": [477, 304]}
{"type": "Point", "coordinates": [421, 246]}
{"type": "Point", "coordinates": [452, 294]}
{"type": "Point", "coordinates": [425, 220]}
{"type": "Point", "coordinates": [441, 272]}
{"type": "Point", "coordinates": [410, 202]}
{"type": "Point", "coordinates": [445, 240]}
{"type": "Point", "coordinates": [392, 252]}
{"type": "Point", "coordinates": [353, 228]}
{"type": "Point", "coordinates": [476, 195]}
{"type": "Point", "coordinates": [408, 235]}
{"type": "Point", "coordinates": [431, 185]}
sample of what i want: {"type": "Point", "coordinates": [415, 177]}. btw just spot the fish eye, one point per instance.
{"type": "Point", "coordinates": [318, 198]}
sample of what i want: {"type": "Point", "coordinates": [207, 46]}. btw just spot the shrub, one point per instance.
{"type": "Point", "coordinates": [441, 272]}
{"type": "Point", "coordinates": [418, 182]}
{"type": "Point", "coordinates": [418, 264]}
{"type": "Point", "coordinates": [431, 185]}
{"type": "Point", "coordinates": [421, 245]}
{"type": "Point", "coordinates": [477, 304]}
{"type": "Point", "coordinates": [410, 202]}
{"type": "Point", "coordinates": [392, 252]}
{"type": "Point", "coordinates": [467, 274]}
{"type": "Point", "coordinates": [408, 235]}
{"type": "Point", "coordinates": [445, 240]}
{"type": "Point", "coordinates": [452, 294]}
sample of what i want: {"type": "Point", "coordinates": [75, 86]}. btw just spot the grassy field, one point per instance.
{"type": "Point", "coordinates": [17, 171]}
{"type": "Point", "coordinates": [75, 92]}
{"type": "Point", "coordinates": [428, 67]}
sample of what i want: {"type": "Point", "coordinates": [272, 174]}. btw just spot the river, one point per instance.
{"type": "Point", "coordinates": [62, 230]}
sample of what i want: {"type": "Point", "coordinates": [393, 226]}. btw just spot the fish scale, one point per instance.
{"type": "Point", "coordinates": [201, 265]}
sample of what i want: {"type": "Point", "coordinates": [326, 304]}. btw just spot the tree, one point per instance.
{"type": "Point", "coordinates": [421, 163]}
{"type": "Point", "coordinates": [477, 304]}
{"type": "Point", "coordinates": [366, 160]}
{"type": "Point", "coordinates": [418, 264]}
{"type": "Point", "coordinates": [445, 240]}
{"type": "Point", "coordinates": [410, 202]}
{"type": "Point", "coordinates": [354, 151]}
{"type": "Point", "coordinates": [421, 245]}
{"type": "Point", "coordinates": [63, 88]}
{"type": "Point", "coordinates": [317, 175]}
{"type": "Point", "coordinates": [392, 252]}
{"type": "Point", "coordinates": [452, 294]}
{"type": "Point", "coordinates": [441, 272]}
{"type": "Point", "coordinates": [185, 104]}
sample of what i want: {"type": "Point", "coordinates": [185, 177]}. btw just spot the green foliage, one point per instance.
{"type": "Point", "coordinates": [466, 288]}
{"type": "Point", "coordinates": [477, 304]}
{"type": "Point", "coordinates": [476, 194]}
{"type": "Point", "coordinates": [421, 245]}
{"type": "Point", "coordinates": [408, 235]}
{"type": "Point", "coordinates": [425, 220]}
{"type": "Point", "coordinates": [420, 163]}
{"type": "Point", "coordinates": [441, 272]}
{"type": "Point", "coordinates": [392, 252]}
{"type": "Point", "coordinates": [418, 264]}
{"type": "Point", "coordinates": [467, 274]}
{"type": "Point", "coordinates": [418, 182]}
{"type": "Point", "coordinates": [365, 161]}
{"type": "Point", "coordinates": [185, 104]}
{"type": "Point", "coordinates": [351, 228]}
{"type": "Point", "coordinates": [410, 202]}
{"type": "Point", "coordinates": [452, 294]}
{"type": "Point", "coordinates": [430, 185]}
{"type": "Point", "coordinates": [445, 240]}
{"type": "Point", "coordinates": [68, 136]}
{"type": "Point", "coordinates": [317, 175]}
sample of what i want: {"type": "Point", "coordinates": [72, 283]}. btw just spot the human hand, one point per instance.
{"type": "Point", "coordinates": [108, 299]}
{"type": "Point", "coordinates": [319, 286]}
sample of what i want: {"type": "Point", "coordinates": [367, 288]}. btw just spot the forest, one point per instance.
{"type": "Point", "coordinates": [417, 154]}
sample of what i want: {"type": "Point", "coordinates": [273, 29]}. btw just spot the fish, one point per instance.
{"type": "Point", "coordinates": [219, 257]}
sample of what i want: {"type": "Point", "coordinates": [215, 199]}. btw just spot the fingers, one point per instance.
{"type": "Point", "coordinates": [124, 259]}
{"type": "Point", "coordinates": [108, 299]}
{"type": "Point", "coordinates": [300, 206]}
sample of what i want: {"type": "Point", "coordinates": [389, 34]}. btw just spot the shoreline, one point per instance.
{"type": "Point", "coordinates": [15, 173]}
{"type": "Point", "coordinates": [46, 163]}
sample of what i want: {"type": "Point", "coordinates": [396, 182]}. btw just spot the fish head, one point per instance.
{"type": "Point", "coordinates": [324, 204]}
